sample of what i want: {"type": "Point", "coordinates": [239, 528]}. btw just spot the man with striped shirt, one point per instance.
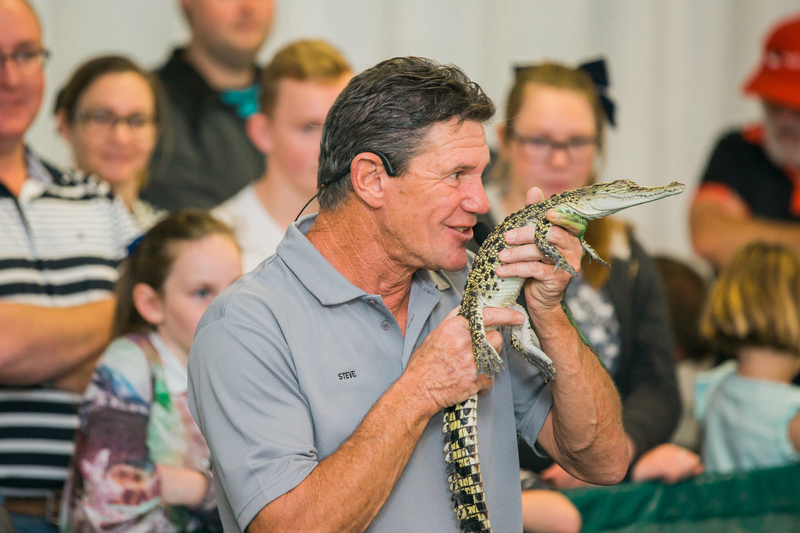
{"type": "Point", "coordinates": [62, 238]}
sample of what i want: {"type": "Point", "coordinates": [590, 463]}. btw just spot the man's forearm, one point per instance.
{"type": "Point", "coordinates": [348, 488]}
{"type": "Point", "coordinates": [585, 433]}
{"type": "Point", "coordinates": [717, 235]}
{"type": "Point", "coordinates": [43, 343]}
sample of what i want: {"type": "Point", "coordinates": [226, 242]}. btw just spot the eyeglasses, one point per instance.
{"type": "Point", "coordinates": [104, 121]}
{"type": "Point", "coordinates": [580, 149]}
{"type": "Point", "coordinates": [27, 61]}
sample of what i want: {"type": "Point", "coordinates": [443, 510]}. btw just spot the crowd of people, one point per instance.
{"type": "Point", "coordinates": [238, 308]}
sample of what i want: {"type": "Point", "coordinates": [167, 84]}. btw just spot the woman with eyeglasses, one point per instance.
{"type": "Point", "coordinates": [109, 112]}
{"type": "Point", "coordinates": [553, 138]}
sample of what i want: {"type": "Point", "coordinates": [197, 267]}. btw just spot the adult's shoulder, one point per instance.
{"type": "Point", "coordinates": [76, 185]}
{"type": "Point", "coordinates": [739, 144]}
{"type": "Point", "coordinates": [256, 298]}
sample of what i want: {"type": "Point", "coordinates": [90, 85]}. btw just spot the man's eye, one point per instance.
{"type": "Point", "coordinates": [202, 293]}
{"type": "Point", "coordinates": [26, 56]}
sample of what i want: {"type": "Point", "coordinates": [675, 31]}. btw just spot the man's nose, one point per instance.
{"type": "Point", "coordinates": [475, 200]}
{"type": "Point", "coordinates": [10, 75]}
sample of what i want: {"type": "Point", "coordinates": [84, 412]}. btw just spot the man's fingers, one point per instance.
{"type": "Point", "coordinates": [533, 196]}
{"type": "Point", "coordinates": [501, 316]}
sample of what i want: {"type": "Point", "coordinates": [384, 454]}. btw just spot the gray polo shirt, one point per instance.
{"type": "Point", "coordinates": [288, 361]}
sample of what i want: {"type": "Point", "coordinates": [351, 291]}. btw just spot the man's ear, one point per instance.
{"type": "Point", "coordinates": [63, 126]}
{"type": "Point", "coordinates": [259, 131]}
{"type": "Point", "coordinates": [369, 178]}
{"type": "Point", "coordinates": [148, 303]}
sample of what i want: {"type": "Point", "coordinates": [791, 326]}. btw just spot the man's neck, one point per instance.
{"type": "Point", "coordinates": [220, 76]}
{"type": "Point", "coordinates": [13, 170]}
{"type": "Point", "coordinates": [351, 245]}
{"type": "Point", "coordinates": [282, 201]}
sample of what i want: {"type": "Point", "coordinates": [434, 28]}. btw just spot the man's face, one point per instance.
{"type": "Point", "coordinates": [21, 89]}
{"type": "Point", "coordinates": [295, 128]}
{"type": "Point", "coordinates": [231, 31]}
{"type": "Point", "coordinates": [782, 126]}
{"type": "Point", "coordinates": [429, 211]}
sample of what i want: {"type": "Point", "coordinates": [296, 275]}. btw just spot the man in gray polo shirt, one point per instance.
{"type": "Point", "coordinates": [316, 377]}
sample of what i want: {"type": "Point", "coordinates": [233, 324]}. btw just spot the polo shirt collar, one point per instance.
{"type": "Point", "coordinates": [38, 180]}
{"type": "Point", "coordinates": [322, 279]}
{"type": "Point", "coordinates": [37, 171]}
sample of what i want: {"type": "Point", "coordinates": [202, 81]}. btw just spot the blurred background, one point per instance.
{"type": "Point", "coordinates": [676, 66]}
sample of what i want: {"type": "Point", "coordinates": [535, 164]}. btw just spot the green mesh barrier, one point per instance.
{"type": "Point", "coordinates": [760, 501]}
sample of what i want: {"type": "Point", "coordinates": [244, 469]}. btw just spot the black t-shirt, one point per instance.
{"type": "Point", "coordinates": [739, 162]}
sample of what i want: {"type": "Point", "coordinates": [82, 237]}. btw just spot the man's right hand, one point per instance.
{"type": "Point", "coordinates": [443, 368]}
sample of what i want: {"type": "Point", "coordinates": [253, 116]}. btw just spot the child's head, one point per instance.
{"type": "Point", "coordinates": [756, 301]}
{"type": "Point", "coordinates": [179, 266]}
{"type": "Point", "coordinates": [299, 86]}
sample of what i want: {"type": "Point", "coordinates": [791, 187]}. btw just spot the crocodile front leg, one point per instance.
{"type": "Point", "coordinates": [486, 357]}
{"type": "Point", "coordinates": [550, 250]}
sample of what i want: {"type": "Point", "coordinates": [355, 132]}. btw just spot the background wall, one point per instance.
{"type": "Point", "coordinates": [676, 66]}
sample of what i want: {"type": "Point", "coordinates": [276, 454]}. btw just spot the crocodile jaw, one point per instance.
{"type": "Point", "coordinates": [603, 199]}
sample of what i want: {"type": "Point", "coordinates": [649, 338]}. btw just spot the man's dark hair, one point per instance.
{"type": "Point", "coordinates": [390, 108]}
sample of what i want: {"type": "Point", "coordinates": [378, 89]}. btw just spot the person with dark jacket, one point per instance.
{"type": "Point", "coordinates": [204, 155]}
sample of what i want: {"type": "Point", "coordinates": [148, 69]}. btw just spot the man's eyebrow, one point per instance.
{"type": "Point", "coordinates": [25, 45]}
{"type": "Point", "coordinates": [463, 168]}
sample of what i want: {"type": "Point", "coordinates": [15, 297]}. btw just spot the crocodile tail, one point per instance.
{"type": "Point", "coordinates": [463, 466]}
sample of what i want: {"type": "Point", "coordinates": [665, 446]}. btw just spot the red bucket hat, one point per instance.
{"type": "Point", "coordinates": [777, 78]}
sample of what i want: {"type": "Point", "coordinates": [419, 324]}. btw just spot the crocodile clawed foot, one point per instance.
{"type": "Point", "coordinates": [489, 363]}
{"type": "Point", "coordinates": [564, 265]}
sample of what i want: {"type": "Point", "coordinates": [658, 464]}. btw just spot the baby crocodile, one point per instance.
{"type": "Point", "coordinates": [485, 289]}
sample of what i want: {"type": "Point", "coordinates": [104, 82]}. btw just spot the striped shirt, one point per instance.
{"type": "Point", "coordinates": [62, 239]}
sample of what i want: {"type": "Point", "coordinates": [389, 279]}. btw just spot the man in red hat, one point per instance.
{"type": "Point", "coordinates": [751, 187]}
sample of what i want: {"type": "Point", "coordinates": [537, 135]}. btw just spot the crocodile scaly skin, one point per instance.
{"type": "Point", "coordinates": [485, 289]}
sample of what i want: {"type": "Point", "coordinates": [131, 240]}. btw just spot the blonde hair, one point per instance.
{"type": "Point", "coordinates": [756, 301]}
{"type": "Point", "coordinates": [303, 60]}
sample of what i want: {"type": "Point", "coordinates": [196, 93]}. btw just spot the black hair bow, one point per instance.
{"type": "Point", "coordinates": [599, 74]}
